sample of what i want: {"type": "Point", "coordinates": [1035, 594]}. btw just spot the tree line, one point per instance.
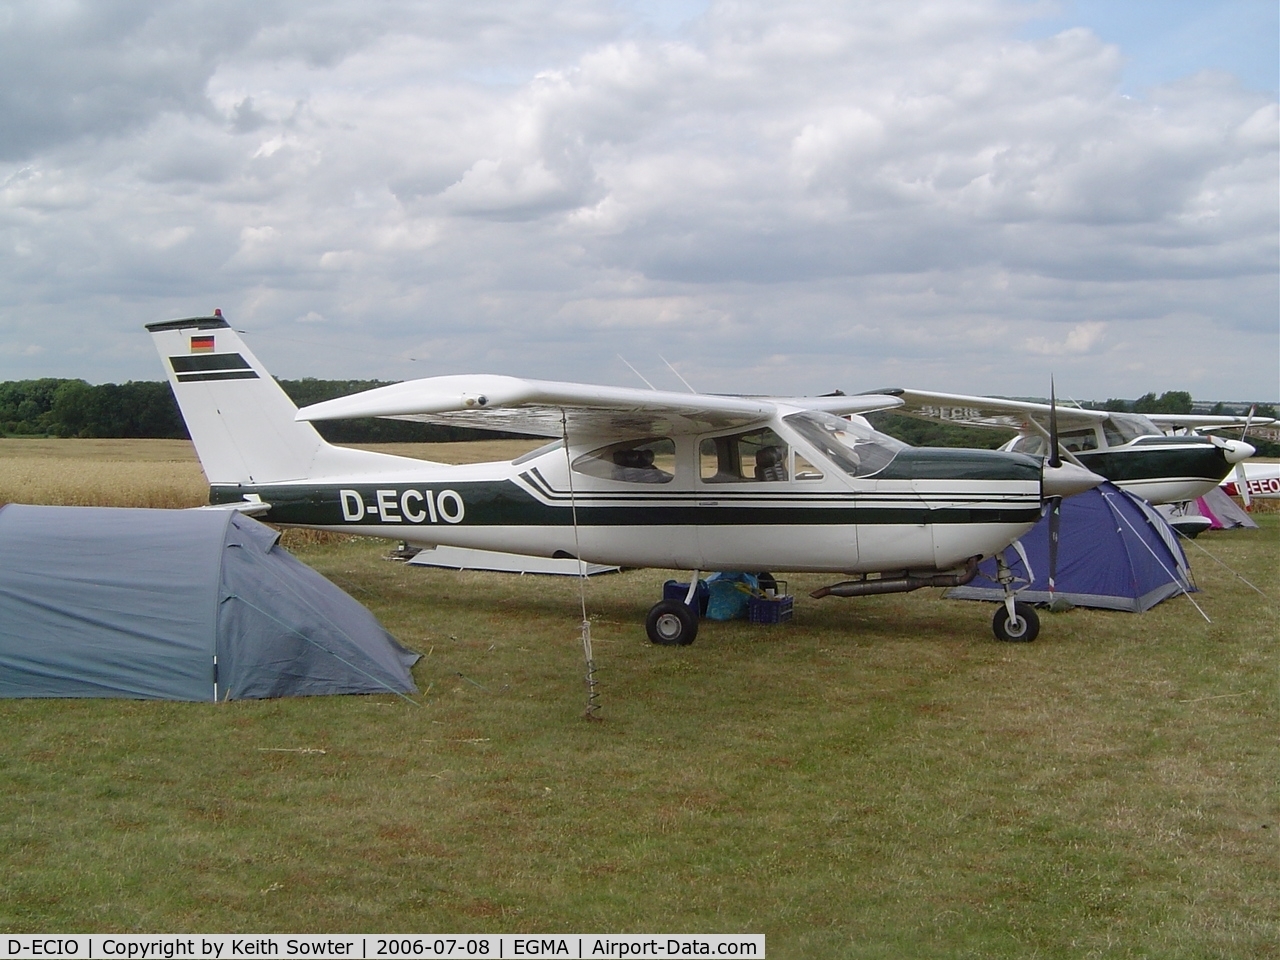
{"type": "Point", "coordinates": [147, 409]}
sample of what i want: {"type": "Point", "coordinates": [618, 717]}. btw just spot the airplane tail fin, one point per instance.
{"type": "Point", "coordinates": [241, 421]}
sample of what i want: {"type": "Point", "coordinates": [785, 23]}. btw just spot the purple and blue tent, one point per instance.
{"type": "Point", "coordinates": [1115, 552]}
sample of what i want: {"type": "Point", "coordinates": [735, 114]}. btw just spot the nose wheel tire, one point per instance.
{"type": "Point", "coordinates": [671, 624]}
{"type": "Point", "coordinates": [1023, 628]}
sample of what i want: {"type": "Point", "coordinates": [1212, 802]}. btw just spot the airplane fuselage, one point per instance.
{"type": "Point", "coordinates": [1160, 469]}
{"type": "Point", "coordinates": [636, 478]}
{"type": "Point", "coordinates": [1261, 482]}
{"type": "Point", "coordinates": [928, 509]}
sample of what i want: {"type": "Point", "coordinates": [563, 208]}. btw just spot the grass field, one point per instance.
{"type": "Point", "coordinates": [877, 779]}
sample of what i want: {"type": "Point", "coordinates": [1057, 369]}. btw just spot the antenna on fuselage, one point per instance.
{"type": "Point", "coordinates": [676, 372]}
{"type": "Point", "coordinates": [637, 372]}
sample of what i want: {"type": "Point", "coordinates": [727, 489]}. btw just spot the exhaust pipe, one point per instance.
{"type": "Point", "coordinates": [866, 588]}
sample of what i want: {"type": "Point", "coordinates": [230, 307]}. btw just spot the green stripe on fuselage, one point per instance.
{"type": "Point", "coordinates": [505, 503]}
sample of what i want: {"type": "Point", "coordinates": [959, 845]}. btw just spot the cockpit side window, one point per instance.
{"type": "Point", "coordinates": [652, 460]}
{"type": "Point", "coordinates": [804, 470]}
{"type": "Point", "coordinates": [1077, 441]}
{"type": "Point", "coordinates": [743, 457]}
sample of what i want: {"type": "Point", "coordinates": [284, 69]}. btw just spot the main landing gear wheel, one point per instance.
{"type": "Point", "coordinates": [767, 581]}
{"type": "Point", "coordinates": [671, 623]}
{"type": "Point", "coordinates": [1023, 628]}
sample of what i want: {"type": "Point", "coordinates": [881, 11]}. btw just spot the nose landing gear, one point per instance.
{"type": "Point", "coordinates": [1022, 625]}
{"type": "Point", "coordinates": [1014, 622]}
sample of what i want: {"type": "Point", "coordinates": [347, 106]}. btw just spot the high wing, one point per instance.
{"type": "Point", "coordinates": [547, 408]}
{"type": "Point", "coordinates": [1196, 421]}
{"type": "Point", "coordinates": [989, 411]}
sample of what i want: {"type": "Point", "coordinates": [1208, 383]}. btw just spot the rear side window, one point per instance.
{"type": "Point", "coordinates": [652, 460]}
{"type": "Point", "coordinates": [1077, 441]}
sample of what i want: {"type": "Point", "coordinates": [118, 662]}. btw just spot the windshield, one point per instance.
{"type": "Point", "coordinates": [1032, 444]}
{"type": "Point", "coordinates": [851, 445]}
{"type": "Point", "coordinates": [1123, 427]}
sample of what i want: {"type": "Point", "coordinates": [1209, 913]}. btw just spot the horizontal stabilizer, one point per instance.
{"type": "Point", "coordinates": [252, 507]}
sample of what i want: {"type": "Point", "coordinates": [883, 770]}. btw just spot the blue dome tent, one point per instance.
{"type": "Point", "coordinates": [176, 605]}
{"type": "Point", "coordinates": [1115, 552]}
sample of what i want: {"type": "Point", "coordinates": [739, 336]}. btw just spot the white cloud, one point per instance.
{"type": "Point", "coordinates": [1081, 338]}
{"type": "Point", "coordinates": [862, 193]}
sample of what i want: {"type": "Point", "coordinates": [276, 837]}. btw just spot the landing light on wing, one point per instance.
{"type": "Point", "coordinates": [1067, 479]}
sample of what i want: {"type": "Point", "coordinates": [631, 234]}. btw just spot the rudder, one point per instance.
{"type": "Point", "coordinates": [240, 420]}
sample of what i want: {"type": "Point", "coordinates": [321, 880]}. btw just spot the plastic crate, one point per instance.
{"type": "Point", "coordinates": [770, 609]}
{"type": "Point", "coordinates": [674, 590]}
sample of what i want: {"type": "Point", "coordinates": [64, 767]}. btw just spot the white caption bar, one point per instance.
{"type": "Point", "coordinates": [490, 946]}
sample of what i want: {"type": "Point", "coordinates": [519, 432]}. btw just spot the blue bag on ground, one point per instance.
{"type": "Point", "coordinates": [728, 594]}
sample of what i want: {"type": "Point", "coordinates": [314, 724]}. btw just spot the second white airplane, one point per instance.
{"type": "Point", "coordinates": [1136, 452]}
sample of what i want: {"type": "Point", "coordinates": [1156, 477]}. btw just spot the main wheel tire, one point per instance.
{"type": "Point", "coordinates": [671, 624]}
{"type": "Point", "coordinates": [1023, 628]}
{"type": "Point", "coordinates": [767, 581]}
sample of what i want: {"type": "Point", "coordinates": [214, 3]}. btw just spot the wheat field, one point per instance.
{"type": "Point", "coordinates": [160, 473]}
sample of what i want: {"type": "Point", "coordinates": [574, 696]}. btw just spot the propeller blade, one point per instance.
{"type": "Point", "coordinates": [1242, 482]}
{"type": "Point", "coordinates": [1055, 459]}
{"type": "Point", "coordinates": [1055, 524]}
{"type": "Point", "coordinates": [1248, 421]}
{"type": "Point", "coordinates": [1055, 505]}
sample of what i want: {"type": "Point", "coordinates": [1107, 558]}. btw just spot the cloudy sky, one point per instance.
{"type": "Point", "coordinates": [963, 195]}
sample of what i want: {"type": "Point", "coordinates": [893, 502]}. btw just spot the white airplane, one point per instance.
{"type": "Point", "coordinates": [1131, 450]}
{"type": "Point", "coordinates": [1254, 481]}
{"type": "Point", "coordinates": [632, 477]}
